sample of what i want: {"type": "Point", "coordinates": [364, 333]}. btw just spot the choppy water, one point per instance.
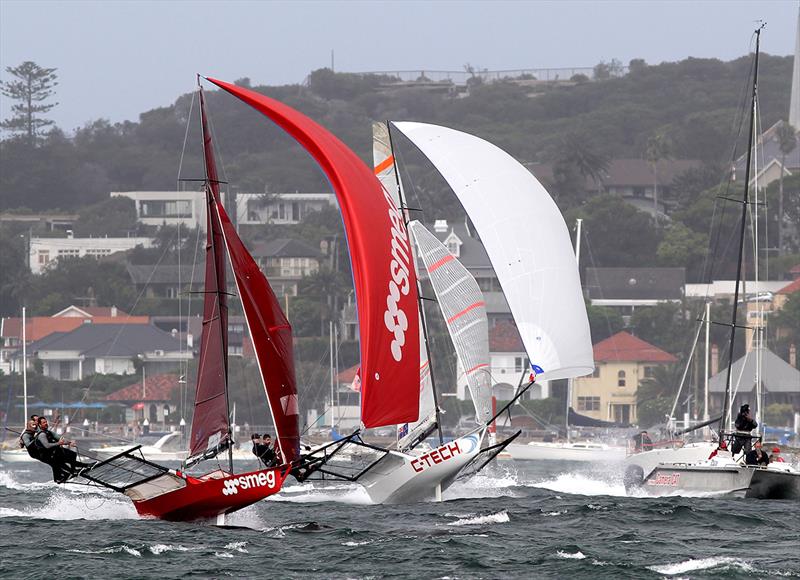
{"type": "Point", "coordinates": [526, 520]}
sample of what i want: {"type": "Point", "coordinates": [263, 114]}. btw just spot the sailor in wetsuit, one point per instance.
{"type": "Point", "coordinates": [56, 453]}
{"type": "Point", "coordinates": [28, 437]}
{"type": "Point", "coordinates": [744, 423]}
{"type": "Point", "coordinates": [267, 453]}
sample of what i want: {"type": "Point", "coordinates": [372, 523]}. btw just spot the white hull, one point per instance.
{"type": "Point", "coordinates": [405, 478]}
{"type": "Point", "coordinates": [647, 461]}
{"type": "Point", "coordinates": [536, 451]}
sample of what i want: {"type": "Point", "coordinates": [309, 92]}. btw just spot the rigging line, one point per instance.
{"type": "Point", "coordinates": [184, 394]}
{"type": "Point", "coordinates": [122, 325]}
{"type": "Point", "coordinates": [186, 136]}
{"type": "Point", "coordinates": [686, 368]}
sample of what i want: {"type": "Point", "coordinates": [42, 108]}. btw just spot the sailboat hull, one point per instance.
{"type": "Point", "coordinates": [739, 480]}
{"type": "Point", "coordinates": [405, 478]}
{"type": "Point", "coordinates": [179, 497]}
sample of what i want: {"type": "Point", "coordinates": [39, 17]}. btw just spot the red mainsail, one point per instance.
{"type": "Point", "coordinates": [383, 268]}
{"type": "Point", "coordinates": [210, 426]}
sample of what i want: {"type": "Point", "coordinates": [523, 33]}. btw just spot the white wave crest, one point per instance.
{"type": "Point", "coordinates": [349, 494]}
{"type": "Point", "coordinates": [8, 481]}
{"type": "Point", "coordinates": [350, 544]}
{"type": "Point", "coordinates": [580, 484]}
{"type": "Point", "coordinates": [162, 548]}
{"type": "Point", "coordinates": [701, 564]}
{"type": "Point", "coordinates": [498, 518]}
{"type": "Point", "coordinates": [237, 546]}
{"type": "Point", "coordinates": [111, 550]}
{"type": "Point", "coordinates": [571, 556]}
{"type": "Point", "coordinates": [64, 506]}
{"type": "Point", "coordinates": [223, 554]}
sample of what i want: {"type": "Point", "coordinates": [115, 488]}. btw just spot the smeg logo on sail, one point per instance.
{"type": "Point", "coordinates": [261, 479]}
{"type": "Point", "coordinates": [394, 317]}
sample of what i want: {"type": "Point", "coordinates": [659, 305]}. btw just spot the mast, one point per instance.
{"type": "Point", "coordinates": [745, 202]}
{"type": "Point", "coordinates": [24, 367]}
{"type": "Point", "coordinates": [706, 415]}
{"type": "Point", "coordinates": [215, 308]}
{"type": "Point", "coordinates": [420, 305]}
{"type": "Point", "coordinates": [578, 225]}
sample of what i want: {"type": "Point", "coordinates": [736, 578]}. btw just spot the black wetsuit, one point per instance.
{"type": "Point", "coordinates": [28, 439]}
{"type": "Point", "coordinates": [756, 457]}
{"type": "Point", "coordinates": [63, 460]}
{"type": "Point", "coordinates": [743, 423]}
{"type": "Point", "coordinates": [266, 454]}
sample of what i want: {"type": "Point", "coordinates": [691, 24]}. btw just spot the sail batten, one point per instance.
{"type": "Point", "coordinates": [527, 242]}
{"type": "Point", "coordinates": [384, 279]}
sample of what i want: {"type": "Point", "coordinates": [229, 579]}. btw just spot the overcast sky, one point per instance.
{"type": "Point", "coordinates": [116, 59]}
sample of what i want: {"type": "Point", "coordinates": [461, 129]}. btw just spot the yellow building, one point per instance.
{"type": "Point", "coordinates": [621, 361]}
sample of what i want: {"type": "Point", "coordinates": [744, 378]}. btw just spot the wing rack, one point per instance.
{"type": "Point", "coordinates": [123, 471]}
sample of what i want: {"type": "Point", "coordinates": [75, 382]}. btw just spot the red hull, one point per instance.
{"type": "Point", "coordinates": [205, 497]}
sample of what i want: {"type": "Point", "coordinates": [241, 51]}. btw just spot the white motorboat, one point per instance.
{"type": "Point", "coordinates": [574, 451]}
{"type": "Point", "coordinates": [158, 451]}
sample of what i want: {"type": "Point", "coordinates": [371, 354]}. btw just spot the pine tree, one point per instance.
{"type": "Point", "coordinates": [34, 86]}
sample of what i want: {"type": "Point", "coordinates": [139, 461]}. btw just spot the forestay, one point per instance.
{"type": "Point", "coordinates": [386, 172]}
{"type": "Point", "coordinates": [380, 250]}
{"type": "Point", "coordinates": [464, 310]}
{"type": "Point", "coordinates": [527, 242]}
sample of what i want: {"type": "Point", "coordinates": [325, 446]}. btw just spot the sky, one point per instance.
{"type": "Point", "coordinates": [117, 59]}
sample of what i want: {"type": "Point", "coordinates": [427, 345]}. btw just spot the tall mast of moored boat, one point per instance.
{"type": "Point", "coordinates": [742, 229]}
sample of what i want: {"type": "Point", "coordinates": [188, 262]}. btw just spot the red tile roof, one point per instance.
{"type": "Point", "coordinates": [504, 337]}
{"type": "Point", "coordinates": [156, 388]}
{"type": "Point", "coordinates": [790, 288]}
{"type": "Point", "coordinates": [623, 346]}
{"type": "Point", "coordinates": [347, 375]}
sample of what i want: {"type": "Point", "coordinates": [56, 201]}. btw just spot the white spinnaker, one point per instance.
{"type": "Point", "coordinates": [464, 310]}
{"type": "Point", "coordinates": [527, 242]}
{"type": "Point", "coordinates": [383, 163]}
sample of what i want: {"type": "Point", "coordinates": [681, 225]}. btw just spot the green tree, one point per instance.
{"type": "Point", "coordinates": [576, 161]}
{"type": "Point", "coordinates": [664, 326]}
{"type": "Point", "coordinates": [681, 246]}
{"type": "Point", "coordinates": [656, 394]}
{"type": "Point", "coordinates": [115, 216]}
{"type": "Point", "coordinates": [603, 322]}
{"type": "Point", "coordinates": [33, 86]}
{"type": "Point", "coordinates": [787, 141]}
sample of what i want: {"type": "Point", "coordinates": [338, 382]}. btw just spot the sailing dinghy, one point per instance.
{"type": "Point", "coordinates": [157, 491]}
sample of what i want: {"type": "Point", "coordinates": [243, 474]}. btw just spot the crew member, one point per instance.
{"type": "Point", "coordinates": [28, 437]}
{"type": "Point", "coordinates": [255, 439]}
{"type": "Point", "coordinates": [55, 452]}
{"type": "Point", "coordinates": [744, 424]}
{"type": "Point", "coordinates": [776, 455]}
{"type": "Point", "coordinates": [757, 456]}
{"type": "Point", "coordinates": [267, 452]}
{"type": "Point", "coordinates": [642, 441]}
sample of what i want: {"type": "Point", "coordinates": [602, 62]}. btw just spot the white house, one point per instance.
{"type": "Point", "coordinates": [43, 252]}
{"type": "Point", "coordinates": [156, 208]}
{"type": "Point", "coordinates": [508, 361]}
{"type": "Point", "coordinates": [279, 208]}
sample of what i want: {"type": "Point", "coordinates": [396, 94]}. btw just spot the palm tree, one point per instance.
{"type": "Point", "coordinates": [657, 149]}
{"type": "Point", "coordinates": [787, 141]}
{"type": "Point", "coordinates": [575, 153]}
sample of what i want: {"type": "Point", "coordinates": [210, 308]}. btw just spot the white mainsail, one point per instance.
{"type": "Point", "coordinates": [527, 242]}
{"type": "Point", "coordinates": [385, 171]}
{"type": "Point", "coordinates": [464, 310]}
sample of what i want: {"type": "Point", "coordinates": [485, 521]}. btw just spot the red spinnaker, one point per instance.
{"type": "Point", "coordinates": [210, 424]}
{"type": "Point", "coordinates": [272, 340]}
{"type": "Point", "coordinates": [383, 269]}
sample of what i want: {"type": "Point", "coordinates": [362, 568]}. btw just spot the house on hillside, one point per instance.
{"type": "Point", "coordinates": [165, 281]}
{"type": "Point", "coordinates": [626, 289]}
{"type": "Point", "coordinates": [39, 327]}
{"type": "Point", "coordinates": [44, 252]}
{"type": "Point", "coordinates": [148, 399]}
{"type": "Point", "coordinates": [509, 363]}
{"type": "Point", "coordinates": [780, 381]}
{"type": "Point", "coordinates": [279, 208]}
{"type": "Point", "coordinates": [622, 362]}
{"type": "Point", "coordinates": [285, 262]}
{"type": "Point", "coordinates": [172, 208]}
{"type": "Point", "coordinates": [106, 349]}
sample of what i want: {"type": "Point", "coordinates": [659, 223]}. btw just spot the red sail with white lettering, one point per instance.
{"type": "Point", "coordinates": [383, 271]}
{"type": "Point", "coordinates": [272, 340]}
{"type": "Point", "coordinates": [210, 428]}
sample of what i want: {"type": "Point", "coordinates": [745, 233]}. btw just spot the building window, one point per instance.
{"type": "Point", "coordinates": [649, 372]}
{"type": "Point", "coordinates": [588, 403]}
{"type": "Point", "coordinates": [69, 253]}
{"type": "Point", "coordinates": [520, 364]}
{"type": "Point", "coordinates": [621, 379]}
{"type": "Point", "coordinates": [44, 257]}
{"type": "Point", "coordinates": [638, 192]}
{"type": "Point", "coordinates": [596, 373]}
{"type": "Point", "coordinates": [65, 370]}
